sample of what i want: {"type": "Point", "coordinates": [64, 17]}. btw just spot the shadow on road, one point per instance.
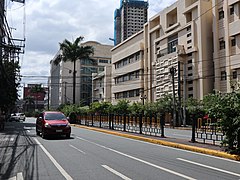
{"type": "Point", "coordinates": [18, 151]}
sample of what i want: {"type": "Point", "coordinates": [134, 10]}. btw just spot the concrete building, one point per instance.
{"type": "Point", "coordinates": [54, 83]}
{"type": "Point", "coordinates": [129, 18]}
{"type": "Point", "coordinates": [127, 69]}
{"type": "Point", "coordinates": [226, 38]}
{"type": "Point", "coordinates": [84, 70]}
{"type": "Point", "coordinates": [180, 36]}
{"type": "Point", "coordinates": [102, 85]}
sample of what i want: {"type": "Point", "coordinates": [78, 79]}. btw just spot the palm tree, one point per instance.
{"type": "Point", "coordinates": [29, 100]}
{"type": "Point", "coordinates": [73, 52]}
{"type": "Point", "coordinates": [36, 90]}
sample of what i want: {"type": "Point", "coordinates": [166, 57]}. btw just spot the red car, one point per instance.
{"type": "Point", "coordinates": [52, 123]}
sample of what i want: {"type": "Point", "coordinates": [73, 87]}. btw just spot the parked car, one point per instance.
{"type": "Point", "coordinates": [52, 123]}
{"type": "Point", "coordinates": [17, 117]}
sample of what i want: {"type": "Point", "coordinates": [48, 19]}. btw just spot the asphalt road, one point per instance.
{"type": "Point", "coordinates": [98, 156]}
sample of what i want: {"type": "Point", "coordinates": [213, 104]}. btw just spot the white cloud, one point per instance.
{"type": "Point", "coordinates": [49, 22]}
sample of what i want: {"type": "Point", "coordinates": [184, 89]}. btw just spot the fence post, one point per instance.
{"type": "Point", "coordinates": [112, 119]}
{"type": "Point", "coordinates": [100, 120]}
{"type": "Point", "coordinates": [140, 123]}
{"type": "Point", "coordinates": [92, 120]}
{"type": "Point", "coordinates": [162, 123]}
{"type": "Point", "coordinates": [193, 128]}
{"type": "Point", "coordinates": [124, 122]}
{"type": "Point", "coordinates": [80, 119]}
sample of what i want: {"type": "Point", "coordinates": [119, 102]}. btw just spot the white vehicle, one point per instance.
{"type": "Point", "coordinates": [17, 117]}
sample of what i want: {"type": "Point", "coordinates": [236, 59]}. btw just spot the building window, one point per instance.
{"type": "Point", "coordinates": [189, 34]}
{"type": "Point", "coordinates": [223, 75]}
{"type": "Point", "coordinates": [233, 42]}
{"type": "Point", "coordinates": [172, 42]}
{"type": "Point", "coordinates": [234, 74]}
{"type": "Point", "coordinates": [103, 61]}
{"type": "Point", "coordinates": [189, 41]}
{"type": "Point", "coordinates": [190, 68]}
{"type": "Point", "coordinates": [190, 88]}
{"type": "Point", "coordinates": [221, 44]}
{"type": "Point", "coordinates": [231, 10]}
{"type": "Point", "coordinates": [189, 28]}
{"type": "Point", "coordinates": [220, 13]}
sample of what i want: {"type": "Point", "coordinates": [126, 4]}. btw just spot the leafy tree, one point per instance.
{"type": "Point", "coordinates": [226, 107]}
{"type": "Point", "coordinates": [73, 51]}
{"type": "Point", "coordinates": [136, 108]}
{"type": "Point", "coordinates": [100, 107]}
{"type": "Point", "coordinates": [9, 78]}
{"type": "Point", "coordinates": [194, 107]}
{"type": "Point", "coordinates": [150, 108]}
{"type": "Point", "coordinates": [164, 104]}
{"type": "Point", "coordinates": [122, 107]}
{"type": "Point", "coordinates": [28, 101]}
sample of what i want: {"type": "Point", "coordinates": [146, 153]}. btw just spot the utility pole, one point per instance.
{"type": "Point", "coordinates": [184, 93]}
{"type": "Point", "coordinates": [74, 81]}
{"type": "Point", "coordinates": [65, 92]}
{"type": "Point", "coordinates": [172, 72]}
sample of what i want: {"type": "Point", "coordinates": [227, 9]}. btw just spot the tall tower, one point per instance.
{"type": "Point", "coordinates": [129, 18]}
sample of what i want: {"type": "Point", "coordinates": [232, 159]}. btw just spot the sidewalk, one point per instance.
{"type": "Point", "coordinates": [209, 149]}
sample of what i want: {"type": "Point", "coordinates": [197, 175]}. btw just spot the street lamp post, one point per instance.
{"type": "Point", "coordinates": [172, 72]}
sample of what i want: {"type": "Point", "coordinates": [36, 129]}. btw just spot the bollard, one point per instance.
{"type": "Point", "coordinates": [193, 140]}
{"type": "Point", "coordinates": [124, 122]}
{"type": "Point", "coordinates": [92, 120]}
{"type": "Point", "coordinates": [162, 123]}
{"type": "Point", "coordinates": [140, 124]}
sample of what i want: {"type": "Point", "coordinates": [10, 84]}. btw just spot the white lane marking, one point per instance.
{"type": "Point", "coordinates": [116, 173]}
{"type": "Point", "coordinates": [77, 149]}
{"type": "Point", "coordinates": [177, 149]}
{"type": "Point", "coordinates": [58, 166]}
{"type": "Point", "coordinates": [140, 160]}
{"type": "Point", "coordinates": [210, 167]}
{"type": "Point", "coordinates": [6, 139]}
{"type": "Point", "coordinates": [19, 176]}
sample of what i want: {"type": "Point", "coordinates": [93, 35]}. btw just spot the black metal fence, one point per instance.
{"type": "Point", "coordinates": [149, 125]}
{"type": "Point", "coordinates": [203, 130]}
{"type": "Point", "coordinates": [208, 131]}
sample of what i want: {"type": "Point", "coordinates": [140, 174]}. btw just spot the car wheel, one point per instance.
{"type": "Point", "coordinates": [44, 135]}
{"type": "Point", "coordinates": [37, 132]}
{"type": "Point", "coordinates": [68, 136]}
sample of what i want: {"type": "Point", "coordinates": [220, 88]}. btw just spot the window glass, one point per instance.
{"type": "Point", "coordinates": [55, 116]}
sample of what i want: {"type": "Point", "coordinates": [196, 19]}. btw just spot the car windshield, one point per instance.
{"type": "Point", "coordinates": [55, 116]}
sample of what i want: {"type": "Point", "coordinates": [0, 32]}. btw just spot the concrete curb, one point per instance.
{"type": "Point", "coordinates": [166, 143]}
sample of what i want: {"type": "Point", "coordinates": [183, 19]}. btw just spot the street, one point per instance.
{"type": "Point", "coordinates": [94, 155]}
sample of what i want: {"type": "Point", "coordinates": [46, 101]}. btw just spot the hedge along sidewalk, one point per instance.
{"type": "Point", "coordinates": [166, 143]}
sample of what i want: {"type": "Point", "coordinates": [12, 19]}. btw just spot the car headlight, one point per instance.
{"type": "Point", "coordinates": [68, 125]}
{"type": "Point", "coordinates": [47, 125]}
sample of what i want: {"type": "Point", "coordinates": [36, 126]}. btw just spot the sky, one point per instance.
{"type": "Point", "coordinates": [46, 23]}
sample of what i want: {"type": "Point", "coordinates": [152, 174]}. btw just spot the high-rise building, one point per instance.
{"type": "Point", "coordinates": [129, 19]}
{"type": "Point", "coordinates": [226, 39]}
